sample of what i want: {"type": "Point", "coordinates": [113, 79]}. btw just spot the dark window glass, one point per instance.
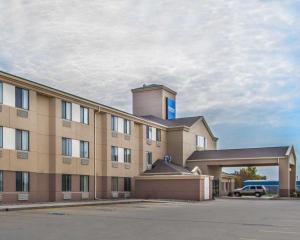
{"type": "Point", "coordinates": [84, 115]}
{"type": "Point", "coordinates": [84, 183]}
{"type": "Point", "coordinates": [252, 187]}
{"type": "Point", "coordinates": [22, 181]}
{"type": "Point", "coordinates": [127, 155]}
{"type": "Point", "coordinates": [127, 126]}
{"type": "Point", "coordinates": [1, 92]}
{"type": "Point", "coordinates": [84, 149]}
{"type": "Point", "coordinates": [149, 132]}
{"type": "Point", "coordinates": [66, 108]}
{"type": "Point", "coordinates": [158, 135]}
{"type": "Point", "coordinates": [22, 98]}
{"type": "Point", "coordinates": [259, 187]}
{"type": "Point", "coordinates": [1, 181]}
{"type": "Point", "coordinates": [127, 184]}
{"type": "Point", "coordinates": [114, 184]}
{"type": "Point", "coordinates": [66, 183]}
{"type": "Point", "coordinates": [66, 147]}
{"type": "Point", "coordinates": [114, 123]}
{"type": "Point", "coordinates": [114, 154]}
{"type": "Point", "coordinates": [22, 140]}
{"type": "Point", "coordinates": [1, 137]}
{"type": "Point", "coordinates": [149, 158]}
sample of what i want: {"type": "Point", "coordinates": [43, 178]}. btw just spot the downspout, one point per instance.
{"type": "Point", "coordinates": [95, 153]}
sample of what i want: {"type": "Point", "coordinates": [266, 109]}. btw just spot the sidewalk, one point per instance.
{"type": "Point", "coordinates": [17, 207]}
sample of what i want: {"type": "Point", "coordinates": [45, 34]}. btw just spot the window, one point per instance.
{"type": "Point", "coordinates": [158, 135]}
{"type": "Point", "coordinates": [127, 155]}
{"type": "Point", "coordinates": [66, 110]}
{"type": "Point", "coordinates": [22, 181]}
{"type": "Point", "coordinates": [259, 187]}
{"type": "Point", "coordinates": [84, 115]}
{"type": "Point", "coordinates": [149, 158]}
{"type": "Point", "coordinates": [66, 185]}
{"type": "Point", "coordinates": [1, 181]}
{"type": "Point", "coordinates": [127, 184]}
{"type": "Point", "coordinates": [22, 140]}
{"type": "Point", "coordinates": [114, 184]}
{"type": "Point", "coordinates": [149, 132]}
{"type": "Point", "coordinates": [114, 154]}
{"type": "Point", "coordinates": [252, 187]}
{"type": "Point", "coordinates": [22, 98]}
{"type": "Point", "coordinates": [66, 146]}
{"type": "Point", "coordinates": [114, 123]}
{"type": "Point", "coordinates": [1, 137]}
{"type": "Point", "coordinates": [84, 149]}
{"type": "Point", "coordinates": [1, 92]}
{"type": "Point", "coordinates": [127, 127]}
{"type": "Point", "coordinates": [201, 142]}
{"type": "Point", "coordinates": [84, 183]}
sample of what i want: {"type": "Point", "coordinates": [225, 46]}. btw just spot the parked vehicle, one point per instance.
{"type": "Point", "coordinates": [253, 190]}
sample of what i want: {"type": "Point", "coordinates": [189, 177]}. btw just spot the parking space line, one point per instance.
{"type": "Point", "coordinates": [280, 232]}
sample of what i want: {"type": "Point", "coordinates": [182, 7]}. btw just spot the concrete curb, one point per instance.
{"type": "Point", "coordinates": [72, 204]}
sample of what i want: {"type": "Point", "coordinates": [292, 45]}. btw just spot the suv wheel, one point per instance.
{"type": "Point", "coordinates": [257, 194]}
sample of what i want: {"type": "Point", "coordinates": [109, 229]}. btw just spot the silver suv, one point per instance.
{"type": "Point", "coordinates": [253, 190]}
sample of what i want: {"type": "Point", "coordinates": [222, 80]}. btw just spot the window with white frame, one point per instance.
{"type": "Point", "coordinates": [127, 126]}
{"type": "Point", "coordinates": [149, 132]}
{"type": "Point", "coordinates": [66, 110]}
{"type": "Point", "coordinates": [84, 183]}
{"type": "Point", "coordinates": [127, 155]}
{"type": "Point", "coordinates": [22, 98]}
{"type": "Point", "coordinates": [66, 183]}
{"type": "Point", "coordinates": [149, 158]}
{"type": "Point", "coordinates": [1, 181]}
{"type": "Point", "coordinates": [22, 140]}
{"type": "Point", "coordinates": [84, 115]}
{"type": "Point", "coordinates": [22, 182]}
{"type": "Point", "coordinates": [84, 149]}
{"type": "Point", "coordinates": [66, 146]}
{"type": "Point", "coordinates": [114, 184]}
{"type": "Point", "coordinates": [114, 154]}
{"type": "Point", "coordinates": [201, 142]}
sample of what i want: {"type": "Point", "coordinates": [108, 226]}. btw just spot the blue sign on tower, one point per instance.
{"type": "Point", "coordinates": [171, 108]}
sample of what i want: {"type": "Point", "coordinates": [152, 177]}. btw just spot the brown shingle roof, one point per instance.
{"type": "Point", "coordinates": [162, 167]}
{"type": "Point", "coordinates": [239, 153]}
{"type": "Point", "coordinates": [187, 121]}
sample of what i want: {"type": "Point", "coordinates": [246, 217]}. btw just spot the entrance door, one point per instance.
{"type": "Point", "coordinates": [216, 190]}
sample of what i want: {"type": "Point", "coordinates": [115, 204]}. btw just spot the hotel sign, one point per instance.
{"type": "Point", "coordinates": [171, 108]}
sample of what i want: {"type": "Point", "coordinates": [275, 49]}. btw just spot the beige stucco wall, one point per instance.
{"type": "Point", "coordinates": [151, 102]}
{"type": "Point", "coordinates": [182, 141]}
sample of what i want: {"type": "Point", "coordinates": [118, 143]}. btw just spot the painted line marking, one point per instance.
{"type": "Point", "coordinates": [281, 232]}
{"type": "Point", "coordinates": [248, 239]}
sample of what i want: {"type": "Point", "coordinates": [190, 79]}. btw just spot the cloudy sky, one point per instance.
{"type": "Point", "coordinates": [235, 62]}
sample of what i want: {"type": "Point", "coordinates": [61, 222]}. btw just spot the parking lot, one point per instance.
{"type": "Point", "coordinates": [225, 219]}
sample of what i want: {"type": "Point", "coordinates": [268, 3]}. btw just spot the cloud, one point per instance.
{"type": "Point", "coordinates": [230, 60]}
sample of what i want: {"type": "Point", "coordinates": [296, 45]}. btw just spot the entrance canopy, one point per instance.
{"type": "Point", "coordinates": [211, 162]}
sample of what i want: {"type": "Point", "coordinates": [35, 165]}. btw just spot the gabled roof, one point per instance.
{"type": "Point", "coordinates": [266, 152]}
{"type": "Point", "coordinates": [180, 122]}
{"type": "Point", "coordinates": [162, 167]}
